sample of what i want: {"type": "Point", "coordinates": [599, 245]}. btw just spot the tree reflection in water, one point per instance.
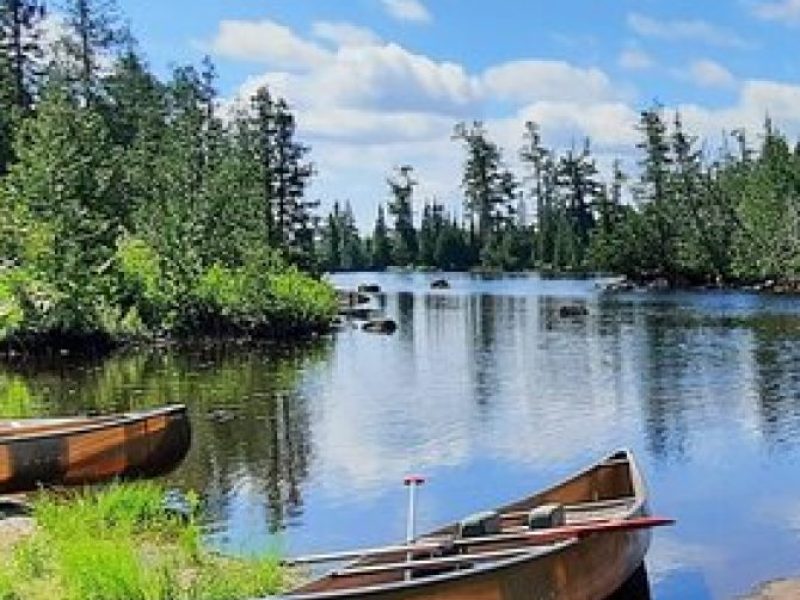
{"type": "Point", "coordinates": [250, 417]}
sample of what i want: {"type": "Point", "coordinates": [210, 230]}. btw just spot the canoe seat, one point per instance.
{"type": "Point", "coordinates": [479, 525]}
{"type": "Point", "coordinates": [546, 516]}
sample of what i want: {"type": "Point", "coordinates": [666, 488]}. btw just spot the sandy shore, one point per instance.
{"type": "Point", "coordinates": [788, 589]}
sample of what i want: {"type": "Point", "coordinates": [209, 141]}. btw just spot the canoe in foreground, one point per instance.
{"type": "Point", "coordinates": [501, 562]}
{"type": "Point", "coordinates": [82, 450]}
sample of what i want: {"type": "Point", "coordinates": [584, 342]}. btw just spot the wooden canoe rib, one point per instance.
{"type": "Point", "coordinates": [83, 450]}
{"type": "Point", "coordinates": [585, 567]}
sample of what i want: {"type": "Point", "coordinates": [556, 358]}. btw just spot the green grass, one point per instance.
{"type": "Point", "coordinates": [120, 543]}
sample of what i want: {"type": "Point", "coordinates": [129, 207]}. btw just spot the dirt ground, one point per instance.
{"type": "Point", "coordinates": [14, 529]}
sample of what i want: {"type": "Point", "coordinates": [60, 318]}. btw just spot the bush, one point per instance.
{"type": "Point", "coordinates": [263, 297]}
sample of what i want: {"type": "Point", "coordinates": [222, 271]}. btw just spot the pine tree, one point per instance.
{"type": "Point", "coordinates": [332, 245]}
{"type": "Point", "coordinates": [433, 220]}
{"type": "Point", "coordinates": [576, 177]}
{"type": "Point", "coordinates": [654, 190]}
{"type": "Point", "coordinates": [452, 251]}
{"type": "Point", "coordinates": [487, 185]}
{"type": "Point", "coordinates": [401, 186]}
{"type": "Point", "coordinates": [381, 244]}
{"type": "Point", "coordinates": [21, 48]}
{"type": "Point", "coordinates": [265, 132]}
{"type": "Point", "coordinates": [352, 253]}
{"type": "Point", "coordinates": [93, 32]}
{"type": "Point", "coordinates": [67, 177]}
{"type": "Point", "coordinates": [291, 177]}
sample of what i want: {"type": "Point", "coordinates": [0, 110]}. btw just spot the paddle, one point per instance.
{"type": "Point", "coordinates": [530, 538]}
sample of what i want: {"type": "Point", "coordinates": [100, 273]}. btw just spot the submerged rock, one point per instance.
{"type": "Point", "coordinates": [387, 326]}
{"type": "Point", "coordinates": [360, 313]}
{"type": "Point", "coordinates": [351, 298]}
{"type": "Point", "coordinates": [572, 310]}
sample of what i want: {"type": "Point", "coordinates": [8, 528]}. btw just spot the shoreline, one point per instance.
{"type": "Point", "coordinates": [621, 282]}
{"type": "Point", "coordinates": [95, 346]}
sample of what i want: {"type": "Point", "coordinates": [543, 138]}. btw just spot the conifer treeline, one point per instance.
{"type": "Point", "coordinates": [129, 204]}
{"type": "Point", "coordinates": [689, 215]}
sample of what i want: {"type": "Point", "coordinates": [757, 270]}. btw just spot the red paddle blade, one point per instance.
{"type": "Point", "coordinates": [571, 531]}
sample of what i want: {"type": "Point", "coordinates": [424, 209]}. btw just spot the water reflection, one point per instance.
{"type": "Point", "coordinates": [250, 418]}
{"type": "Point", "coordinates": [493, 393]}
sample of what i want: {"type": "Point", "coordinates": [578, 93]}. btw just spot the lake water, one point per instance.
{"type": "Point", "coordinates": [489, 393]}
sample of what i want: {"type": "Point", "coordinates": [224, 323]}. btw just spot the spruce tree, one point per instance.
{"type": "Point", "coordinates": [20, 48]}
{"type": "Point", "coordinates": [381, 244]}
{"type": "Point", "coordinates": [94, 31]}
{"type": "Point", "coordinates": [401, 187]}
{"type": "Point", "coordinates": [654, 190]}
{"type": "Point", "coordinates": [484, 180]}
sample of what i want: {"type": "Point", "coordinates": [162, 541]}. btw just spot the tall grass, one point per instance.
{"type": "Point", "coordinates": [122, 543]}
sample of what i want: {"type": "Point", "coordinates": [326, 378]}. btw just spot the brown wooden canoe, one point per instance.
{"type": "Point", "coordinates": [82, 450]}
{"type": "Point", "coordinates": [586, 567]}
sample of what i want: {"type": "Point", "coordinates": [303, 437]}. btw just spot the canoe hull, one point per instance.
{"type": "Point", "coordinates": [130, 446]}
{"type": "Point", "coordinates": [591, 567]}
{"type": "Point", "coordinates": [590, 570]}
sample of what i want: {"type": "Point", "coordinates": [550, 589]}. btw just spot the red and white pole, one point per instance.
{"type": "Point", "coordinates": [411, 482]}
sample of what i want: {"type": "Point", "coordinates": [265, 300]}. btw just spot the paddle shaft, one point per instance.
{"type": "Point", "coordinates": [531, 540]}
{"type": "Point", "coordinates": [547, 536]}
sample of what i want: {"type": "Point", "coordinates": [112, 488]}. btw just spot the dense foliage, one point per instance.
{"type": "Point", "coordinates": [689, 215]}
{"type": "Point", "coordinates": [130, 205]}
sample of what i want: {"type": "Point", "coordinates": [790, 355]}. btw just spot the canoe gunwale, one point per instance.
{"type": "Point", "coordinates": [102, 423]}
{"type": "Point", "coordinates": [638, 507]}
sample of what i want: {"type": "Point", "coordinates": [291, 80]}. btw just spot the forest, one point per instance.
{"type": "Point", "coordinates": [132, 206]}
{"type": "Point", "coordinates": [690, 214]}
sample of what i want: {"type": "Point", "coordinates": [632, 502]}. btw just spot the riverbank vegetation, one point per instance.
{"type": "Point", "coordinates": [134, 206]}
{"type": "Point", "coordinates": [122, 543]}
{"type": "Point", "coordinates": [685, 213]}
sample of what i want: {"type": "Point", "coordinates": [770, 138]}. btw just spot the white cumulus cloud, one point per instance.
{"type": "Point", "coordinates": [269, 43]}
{"type": "Point", "coordinates": [531, 80]}
{"type": "Point", "coordinates": [408, 10]}
{"type": "Point", "coordinates": [345, 34]}
{"type": "Point", "coordinates": [633, 59]}
{"type": "Point", "coordinates": [786, 11]}
{"type": "Point", "coordinates": [695, 30]}
{"type": "Point", "coordinates": [707, 73]}
{"type": "Point", "coordinates": [366, 105]}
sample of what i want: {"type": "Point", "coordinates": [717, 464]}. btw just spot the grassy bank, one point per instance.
{"type": "Point", "coordinates": [121, 543]}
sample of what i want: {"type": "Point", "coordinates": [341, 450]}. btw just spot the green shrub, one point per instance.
{"type": "Point", "coordinates": [142, 294]}
{"type": "Point", "coordinates": [263, 296]}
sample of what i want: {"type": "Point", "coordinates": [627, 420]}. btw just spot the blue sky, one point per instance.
{"type": "Point", "coordinates": [377, 83]}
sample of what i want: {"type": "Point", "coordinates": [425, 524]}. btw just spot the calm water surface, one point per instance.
{"type": "Point", "coordinates": [488, 392]}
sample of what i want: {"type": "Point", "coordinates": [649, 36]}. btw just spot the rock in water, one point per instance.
{"type": "Point", "coordinates": [387, 326]}
{"type": "Point", "coordinates": [369, 288]}
{"type": "Point", "coordinates": [572, 310]}
{"type": "Point", "coordinates": [440, 284]}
